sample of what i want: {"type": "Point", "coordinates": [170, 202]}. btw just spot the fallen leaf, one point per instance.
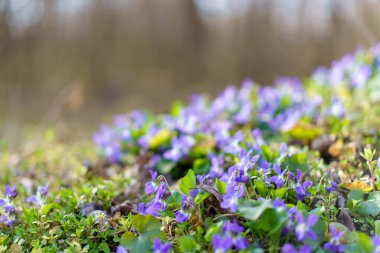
{"type": "Point", "coordinates": [357, 185]}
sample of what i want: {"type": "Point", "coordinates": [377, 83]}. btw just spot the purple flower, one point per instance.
{"type": "Point", "coordinates": [332, 187]}
{"type": "Point", "coordinates": [121, 249]}
{"type": "Point", "coordinates": [303, 228]}
{"type": "Point", "coordinates": [182, 216]}
{"type": "Point", "coordinates": [360, 76]}
{"type": "Point", "coordinates": [10, 192]}
{"type": "Point", "coordinates": [246, 162]}
{"type": "Point", "coordinates": [221, 245]}
{"type": "Point", "coordinates": [161, 247]}
{"type": "Point", "coordinates": [9, 209]}
{"type": "Point", "coordinates": [231, 198]}
{"type": "Point", "coordinates": [233, 145]}
{"type": "Point", "coordinates": [278, 203]}
{"type": "Point", "coordinates": [233, 227]}
{"type": "Point", "coordinates": [337, 108]}
{"type": "Point", "coordinates": [216, 169]}
{"type": "Point", "coordinates": [7, 220]}
{"type": "Point", "coordinates": [158, 204]}
{"type": "Point", "coordinates": [154, 207]}
{"type": "Point", "coordinates": [289, 248]}
{"type": "Point", "coordinates": [283, 149]}
{"type": "Point", "coordinates": [231, 238]}
{"type": "Point", "coordinates": [335, 242]}
{"type": "Point", "coordinates": [279, 178]}
{"type": "Point", "coordinates": [39, 198]}
{"type": "Point", "coordinates": [376, 244]}
{"type": "Point", "coordinates": [151, 187]}
{"type": "Point", "coordinates": [301, 188]}
{"type": "Point", "coordinates": [180, 146]}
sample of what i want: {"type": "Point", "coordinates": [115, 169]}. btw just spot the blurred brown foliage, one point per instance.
{"type": "Point", "coordinates": [113, 57]}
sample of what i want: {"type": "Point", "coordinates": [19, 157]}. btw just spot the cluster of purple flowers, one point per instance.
{"type": "Point", "coordinates": [159, 188]}
{"type": "Point", "coordinates": [230, 239]}
{"type": "Point", "coordinates": [39, 199]}
{"type": "Point", "coordinates": [8, 208]}
{"type": "Point", "coordinates": [280, 107]}
{"type": "Point", "coordinates": [234, 124]}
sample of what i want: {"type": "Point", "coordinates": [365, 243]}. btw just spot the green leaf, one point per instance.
{"type": "Point", "coordinates": [201, 166]}
{"type": "Point", "coordinates": [362, 243]}
{"type": "Point", "coordinates": [369, 207]}
{"type": "Point", "coordinates": [176, 108]}
{"type": "Point", "coordinates": [267, 153]}
{"type": "Point", "coordinates": [51, 206]}
{"type": "Point", "coordinates": [273, 220]}
{"type": "Point", "coordinates": [261, 187]}
{"type": "Point", "coordinates": [297, 161]}
{"type": "Point", "coordinates": [377, 227]}
{"type": "Point", "coordinates": [201, 196]}
{"type": "Point", "coordinates": [187, 243]}
{"type": "Point", "coordinates": [104, 246]}
{"type": "Point", "coordinates": [188, 182]}
{"type": "Point", "coordinates": [220, 186]}
{"type": "Point", "coordinates": [354, 197]}
{"type": "Point", "coordinates": [148, 228]}
{"type": "Point", "coordinates": [279, 193]}
{"type": "Point", "coordinates": [252, 210]}
{"type": "Point", "coordinates": [145, 223]}
{"type": "Point", "coordinates": [213, 229]}
{"type": "Point", "coordinates": [356, 194]}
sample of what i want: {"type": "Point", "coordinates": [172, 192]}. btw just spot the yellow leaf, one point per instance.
{"type": "Point", "coordinates": [305, 131]}
{"type": "Point", "coordinates": [357, 185]}
{"type": "Point", "coordinates": [336, 148]}
{"type": "Point", "coordinates": [160, 138]}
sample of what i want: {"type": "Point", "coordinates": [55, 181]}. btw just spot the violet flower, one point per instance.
{"type": "Point", "coordinates": [335, 242]}
{"type": "Point", "coordinates": [216, 169]}
{"type": "Point", "coordinates": [151, 187]}
{"type": "Point", "coordinates": [376, 244]}
{"type": "Point", "coordinates": [332, 187]}
{"type": "Point", "coordinates": [10, 192]}
{"type": "Point", "coordinates": [8, 217]}
{"type": "Point", "coordinates": [158, 204]}
{"type": "Point", "coordinates": [233, 146]}
{"type": "Point", "coordinates": [301, 188]}
{"type": "Point", "coordinates": [231, 238]}
{"type": "Point", "coordinates": [279, 178]}
{"type": "Point", "coordinates": [231, 198]}
{"type": "Point", "coordinates": [121, 249]}
{"type": "Point", "coordinates": [290, 248]}
{"type": "Point", "coordinates": [161, 247]}
{"type": "Point", "coordinates": [221, 245]}
{"type": "Point", "coordinates": [360, 76]}
{"type": "Point", "coordinates": [246, 162]}
{"type": "Point", "coordinates": [39, 198]}
{"type": "Point", "coordinates": [278, 203]}
{"type": "Point", "coordinates": [180, 146]}
{"type": "Point", "coordinates": [183, 214]}
{"type": "Point", "coordinates": [303, 228]}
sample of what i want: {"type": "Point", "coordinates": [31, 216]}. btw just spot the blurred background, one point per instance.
{"type": "Point", "coordinates": [73, 64]}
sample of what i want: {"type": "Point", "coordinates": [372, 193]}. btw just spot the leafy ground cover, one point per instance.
{"type": "Point", "coordinates": [287, 168]}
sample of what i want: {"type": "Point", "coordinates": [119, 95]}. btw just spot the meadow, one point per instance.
{"type": "Point", "coordinates": [291, 167]}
